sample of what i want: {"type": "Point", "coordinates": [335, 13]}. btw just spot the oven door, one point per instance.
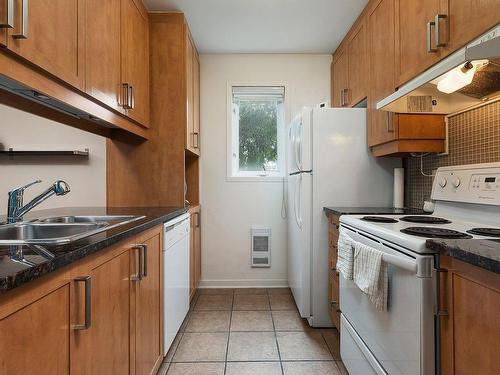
{"type": "Point", "coordinates": [400, 339]}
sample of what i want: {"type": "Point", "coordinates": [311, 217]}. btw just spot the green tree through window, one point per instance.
{"type": "Point", "coordinates": [258, 143]}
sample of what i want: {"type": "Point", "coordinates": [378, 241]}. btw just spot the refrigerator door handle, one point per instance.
{"type": "Point", "coordinates": [298, 205]}
{"type": "Point", "coordinates": [298, 145]}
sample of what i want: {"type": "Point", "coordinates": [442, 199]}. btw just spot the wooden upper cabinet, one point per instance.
{"type": "Point", "coordinates": [467, 19]}
{"type": "Point", "coordinates": [382, 126]}
{"type": "Point", "coordinates": [50, 34]}
{"type": "Point", "coordinates": [192, 96]}
{"type": "Point", "coordinates": [135, 61]}
{"type": "Point", "coordinates": [340, 82]}
{"type": "Point", "coordinates": [357, 74]}
{"type": "Point", "coordinates": [103, 58]}
{"type": "Point", "coordinates": [36, 338]}
{"type": "Point", "coordinates": [147, 308]}
{"type": "Point", "coordinates": [412, 36]}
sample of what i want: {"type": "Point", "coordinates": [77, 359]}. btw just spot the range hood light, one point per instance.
{"type": "Point", "coordinates": [459, 77]}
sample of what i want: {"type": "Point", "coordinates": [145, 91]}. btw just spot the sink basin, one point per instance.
{"type": "Point", "coordinates": [47, 233]}
{"type": "Point", "coordinates": [110, 219]}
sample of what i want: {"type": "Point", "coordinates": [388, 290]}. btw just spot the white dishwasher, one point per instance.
{"type": "Point", "coordinates": [175, 276]}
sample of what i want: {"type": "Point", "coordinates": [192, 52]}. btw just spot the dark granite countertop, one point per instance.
{"type": "Point", "coordinates": [14, 273]}
{"type": "Point", "coordinates": [480, 253]}
{"type": "Point", "coordinates": [373, 211]}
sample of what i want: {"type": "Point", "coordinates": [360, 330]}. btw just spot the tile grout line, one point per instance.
{"type": "Point", "coordinates": [275, 334]}
{"type": "Point", "coordinates": [229, 332]}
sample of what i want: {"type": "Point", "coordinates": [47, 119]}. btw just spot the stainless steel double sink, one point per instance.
{"type": "Point", "coordinates": [61, 229]}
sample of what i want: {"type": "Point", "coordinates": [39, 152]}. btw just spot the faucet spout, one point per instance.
{"type": "Point", "coordinates": [16, 210]}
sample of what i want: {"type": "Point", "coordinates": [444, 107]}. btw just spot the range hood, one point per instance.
{"type": "Point", "coordinates": [468, 78]}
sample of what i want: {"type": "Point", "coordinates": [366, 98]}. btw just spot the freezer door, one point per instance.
{"type": "Point", "coordinates": [299, 142]}
{"type": "Point", "coordinates": [299, 241]}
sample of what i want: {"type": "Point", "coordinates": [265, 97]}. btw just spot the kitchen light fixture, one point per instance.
{"type": "Point", "coordinates": [459, 77]}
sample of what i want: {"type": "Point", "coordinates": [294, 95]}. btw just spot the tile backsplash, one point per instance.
{"type": "Point", "coordinates": [474, 137]}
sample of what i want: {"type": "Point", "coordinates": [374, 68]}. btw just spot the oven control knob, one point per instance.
{"type": "Point", "coordinates": [457, 182]}
{"type": "Point", "coordinates": [443, 182]}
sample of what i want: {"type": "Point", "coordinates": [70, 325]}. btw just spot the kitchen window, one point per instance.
{"type": "Point", "coordinates": [256, 128]}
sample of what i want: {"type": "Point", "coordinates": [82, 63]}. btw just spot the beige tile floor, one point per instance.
{"type": "Point", "coordinates": [250, 332]}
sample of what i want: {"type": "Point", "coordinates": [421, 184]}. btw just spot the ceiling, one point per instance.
{"type": "Point", "coordinates": [265, 26]}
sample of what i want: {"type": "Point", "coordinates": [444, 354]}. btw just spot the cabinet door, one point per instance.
{"type": "Point", "coordinates": [412, 55]}
{"type": "Point", "coordinates": [357, 66]}
{"type": "Point", "coordinates": [35, 339]}
{"type": "Point", "coordinates": [478, 15]}
{"type": "Point", "coordinates": [192, 257]}
{"type": "Point", "coordinates": [135, 60]}
{"type": "Point", "coordinates": [102, 63]}
{"type": "Point", "coordinates": [103, 348]}
{"type": "Point", "coordinates": [147, 304]}
{"type": "Point", "coordinates": [196, 102]}
{"type": "Point", "coordinates": [340, 81]}
{"type": "Point", "coordinates": [189, 94]}
{"type": "Point", "coordinates": [50, 34]}
{"type": "Point", "coordinates": [381, 127]}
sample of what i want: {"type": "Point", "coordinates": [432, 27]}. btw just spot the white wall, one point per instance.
{"type": "Point", "coordinates": [229, 209]}
{"type": "Point", "coordinates": [87, 178]}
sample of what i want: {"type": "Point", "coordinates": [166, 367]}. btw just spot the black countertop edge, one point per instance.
{"type": "Point", "coordinates": [338, 211]}
{"type": "Point", "coordinates": [480, 253]}
{"type": "Point", "coordinates": [70, 253]}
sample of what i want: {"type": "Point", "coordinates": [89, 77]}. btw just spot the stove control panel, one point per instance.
{"type": "Point", "coordinates": [468, 183]}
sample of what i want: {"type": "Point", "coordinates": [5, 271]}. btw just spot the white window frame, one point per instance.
{"type": "Point", "coordinates": [233, 174]}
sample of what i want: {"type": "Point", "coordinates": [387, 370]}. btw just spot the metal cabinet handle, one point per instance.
{"type": "Point", "coordinates": [144, 260]}
{"type": "Point", "coordinates": [131, 103]}
{"type": "Point", "coordinates": [438, 18]}
{"type": "Point", "coordinates": [430, 25]}
{"type": "Point", "coordinates": [390, 122]}
{"type": "Point", "coordinates": [125, 93]}
{"type": "Point", "coordinates": [138, 262]}
{"type": "Point", "coordinates": [23, 34]}
{"type": "Point", "coordinates": [341, 97]}
{"type": "Point", "coordinates": [9, 16]}
{"type": "Point", "coordinates": [196, 136]}
{"type": "Point", "coordinates": [88, 298]}
{"type": "Point", "coordinates": [345, 96]}
{"type": "Point", "coordinates": [197, 225]}
{"type": "Point", "coordinates": [440, 311]}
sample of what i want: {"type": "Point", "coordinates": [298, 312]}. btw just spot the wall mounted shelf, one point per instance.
{"type": "Point", "coordinates": [11, 152]}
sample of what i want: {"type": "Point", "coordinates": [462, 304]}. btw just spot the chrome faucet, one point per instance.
{"type": "Point", "coordinates": [16, 210]}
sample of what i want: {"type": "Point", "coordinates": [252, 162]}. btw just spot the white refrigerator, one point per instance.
{"type": "Point", "coordinates": [328, 164]}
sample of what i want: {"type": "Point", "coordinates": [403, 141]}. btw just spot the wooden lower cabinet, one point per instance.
{"type": "Point", "coordinates": [36, 338]}
{"type": "Point", "coordinates": [333, 275]}
{"type": "Point", "coordinates": [146, 299]}
{"type": "Point", "coordinates": [194, 250]}
{"type": "Point", "coordinates": [470, 328]}
{"type": "Point", "coordinates": [101, 315]}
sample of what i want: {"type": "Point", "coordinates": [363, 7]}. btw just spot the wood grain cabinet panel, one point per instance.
{"type": "Point", "coordinates": [195, 250]}
{"type": "Point", "coordinates": [50, 35]}
{"type": "Point", "coordinates": [357, 74]}
{"type": "Point", "coordinates": [103, 55]}
{"type": "Point", "coordinates": [466, 20]}
{"type": "Point", "coordinates": [147, 306]}
{"type": "Point", "coordinates": [36, 338]}
{"type": "Point", "coordinates": [382, 126]}
{"type": "Point", "coordinates": [470, 331]}
{"type": "Point", "coordinates": [135, 59]}
{"type": "Point", "coordinates": [192, 96]}
{"type": "Point", "coordinates": [103, 348]}
{"type": "Point", "coordinates": [340, 82]}
{"type": "Point", "coordinates": [412, 54]}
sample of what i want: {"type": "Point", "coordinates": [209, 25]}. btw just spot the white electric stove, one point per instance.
{"type": "Point", "coordinates": [402, 339]}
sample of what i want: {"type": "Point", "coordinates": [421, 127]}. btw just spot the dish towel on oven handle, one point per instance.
{"type": "Point", "coordinates": [345, 255]}
{"type": "Point", "coordinates": [370, 274]}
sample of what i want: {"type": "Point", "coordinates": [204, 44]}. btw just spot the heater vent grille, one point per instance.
{"type": "Point", "coordinates": [261, 247]}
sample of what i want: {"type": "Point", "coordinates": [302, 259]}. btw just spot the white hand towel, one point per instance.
{"type": "Point", "coordinates": [370, 274]}
{"type": "Point", "coordinates": [345, 255]}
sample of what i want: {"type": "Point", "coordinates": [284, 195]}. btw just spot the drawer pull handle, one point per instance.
{"type": "Point", "coordinates": [437, 20]}
{"type": "Point", "coordinates": [88, 308]}
{"type": "Point", "coordinates": [430, 25]}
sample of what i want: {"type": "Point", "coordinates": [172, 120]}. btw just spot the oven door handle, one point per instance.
{"type": "Point", "coordinates": [401, 262]}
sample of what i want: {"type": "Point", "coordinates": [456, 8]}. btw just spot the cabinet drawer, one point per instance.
{"type": "Point", "coordinates": [333, 296]}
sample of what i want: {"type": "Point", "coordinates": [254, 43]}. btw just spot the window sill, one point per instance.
{"type": "Point", "coordinates": [254, 178]}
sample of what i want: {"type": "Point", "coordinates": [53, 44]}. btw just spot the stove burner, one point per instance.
{"type": "Point", "coordinates": [379, 219]}
{"type": "Point", "coordinates": [433, 232]}
{"type": "Point", "coordinates": [488, 232]}
{"type": "Point", "coordinates": [425, 219]}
